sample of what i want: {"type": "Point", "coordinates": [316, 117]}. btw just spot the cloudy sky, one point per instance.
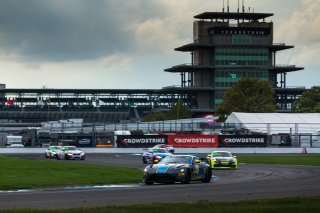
{"type": "Point", "coordinates": [112, 44]}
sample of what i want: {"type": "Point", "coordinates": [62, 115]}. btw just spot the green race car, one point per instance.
{"type": "Point", "coordinates": [222, 160]}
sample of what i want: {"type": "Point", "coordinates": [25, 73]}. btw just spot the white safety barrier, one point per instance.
{"type": "Point", "coordinates": [177, 150]}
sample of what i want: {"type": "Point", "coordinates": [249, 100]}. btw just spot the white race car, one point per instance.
{"type": "Point", "coordinates": [53, 151]}
{"type": "Point", "coordinates": [72, 152]}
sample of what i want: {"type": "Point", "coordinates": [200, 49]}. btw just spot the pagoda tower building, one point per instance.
{"type": "Point", "coordinates": [228, 46]}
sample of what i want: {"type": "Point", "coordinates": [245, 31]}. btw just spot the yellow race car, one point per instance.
{"type": "Point", "coordinates": [222, 160]}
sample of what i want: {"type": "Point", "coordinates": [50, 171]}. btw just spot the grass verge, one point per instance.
{"type": "Point", "coordinates": [20, 173]}
{"type": "Point", "coordinates": [304, 159]}
{"type": "Point", "coordinates": [294, 205]}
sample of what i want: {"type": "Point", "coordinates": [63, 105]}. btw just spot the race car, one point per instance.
{"type": "Point", "coordinates": [151, 154]}
{"type": "Point", "coordinates": [168, 147]}
{"type": "Point", "coordinates": [178, 168]}
{"type": "Point", "coordinates": [52, 151]}
{"type": "Point", "coordinates": [222, 160]}
{"type": "Point", "coordinates": [72, 152]}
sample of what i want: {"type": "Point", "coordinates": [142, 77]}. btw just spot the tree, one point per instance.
{"type": "Point", "coordinates": [154, 116]}
{"type": "Point", "coordinates": [309, 101]}
{"type": "Point", "coordinates": [248, 95]}
{"type": "Point", "coordinates": [178, 111]}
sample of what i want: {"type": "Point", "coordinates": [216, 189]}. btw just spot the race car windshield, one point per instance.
{"type": "Point", "coordinates": [176, 160]}
{"type": "Point", "coordinates": [71, 148]}
{"type": "Point", "coordinates": [160, 151]}
{"type": "Point", "coordinates": [221, 154]}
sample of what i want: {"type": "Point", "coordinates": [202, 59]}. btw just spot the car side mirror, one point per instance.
{"type": "Point", "coordinates": [155, 161]}
{"type": "Point", "coordinates": [197, 161]}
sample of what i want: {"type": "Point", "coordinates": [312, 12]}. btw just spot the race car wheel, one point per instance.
{"type": "Point", "coordinates": [187, 177]}
{"type": "Point", "coordinates": [144, 160]}
{"type": "Point", "coordinates": [46, 155]}
{"type": "Point", "coordinates": [208, 176]}
{"type": "Point", "coordinates": [148, 182]}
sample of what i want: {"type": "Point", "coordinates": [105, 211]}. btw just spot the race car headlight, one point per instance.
{"type": "Point", "coordinates": [181, 172]}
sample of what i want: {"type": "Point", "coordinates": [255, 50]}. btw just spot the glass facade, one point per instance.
{"type": "Point", "coordinates": [242, 58]}
{"type": "Point", "coordinates": [226, 78]}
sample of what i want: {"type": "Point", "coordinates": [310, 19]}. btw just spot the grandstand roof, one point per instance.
{"type": "Point", "coordinates": [275, 123]}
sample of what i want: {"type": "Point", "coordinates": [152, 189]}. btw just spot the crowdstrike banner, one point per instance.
{"type": "Point", "coordinates": [242, 140]}
{"type": "Point", "coordinates": [131, 141]}
{"type": "Point", "coordinates": [192, 140]}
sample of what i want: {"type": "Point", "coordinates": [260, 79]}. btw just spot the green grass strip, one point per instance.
{"type": "Point", "coordinates": [303, 159]}
{"type": "Point", "coordinates": [293, 205]}
{"type": "Point", "coordinates": [20, 173]}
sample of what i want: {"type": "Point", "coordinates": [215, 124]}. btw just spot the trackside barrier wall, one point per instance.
{"type": "Point", "coordinates": [139, 151]}
{"type": "Point", "coordinates": [191, 140]}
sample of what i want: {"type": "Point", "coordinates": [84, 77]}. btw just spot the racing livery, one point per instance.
{"type": "Point", "coordinates": [168, 147]}
{"type": "Point", "coordinates": [72, 152]}
{"type": "Point", "coordinates": [178, 168]}
{"type": "Point", "coordinates": [52, 151]}
{"type": "Point", "coordinates": [222, 160]}
{"type": "Point", "coordinates": [151, 154]}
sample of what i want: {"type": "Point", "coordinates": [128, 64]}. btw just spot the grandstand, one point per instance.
{"type": "Point", "coordinates": [92, 105]}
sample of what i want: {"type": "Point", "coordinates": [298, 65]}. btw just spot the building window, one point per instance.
{"type": "Point", "coordinates": [241, 57]}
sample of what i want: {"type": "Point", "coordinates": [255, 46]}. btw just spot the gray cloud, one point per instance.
{"type": "Point", "coordinates": [58, 30]}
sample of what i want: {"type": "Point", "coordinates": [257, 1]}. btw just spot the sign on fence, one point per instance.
{"type": "Point", "coordinates": [193, 140]}
{"type": "Point", "coordinates": [242, 140]}
{"type": "Point", "coordinates": [136, 141]}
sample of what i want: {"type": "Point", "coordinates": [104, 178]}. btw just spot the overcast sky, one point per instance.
{"type": "Point", "coordinates": [113, 44]}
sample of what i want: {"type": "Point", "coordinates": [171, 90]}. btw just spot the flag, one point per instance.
{"type": "Point", "coordinates": [10, 102]}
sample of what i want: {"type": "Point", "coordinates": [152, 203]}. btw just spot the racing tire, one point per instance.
{"type": "Point", "coordinates": [148, 182]}
{"type": "Point", "coordinates": [66, 157]}
{"type": "Point", "coordinates": [46, 155]}
{"type": "Point", "coordinates": [208, 176]}
{"type": "Point", "coordinates": [187, 177]}
{"type": "Point", "coordinates": [144, 160]}
{"type": "Point", "coordinates": [208, 161]}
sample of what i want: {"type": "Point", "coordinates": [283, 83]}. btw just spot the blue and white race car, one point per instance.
{"type": "Point", "coordinates": [178, 168]}
{"type": "Point", "coordinates": [151, 154]}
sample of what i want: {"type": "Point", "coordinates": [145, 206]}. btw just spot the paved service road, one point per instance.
{"type": "Point", "coordinates": [248, 182]}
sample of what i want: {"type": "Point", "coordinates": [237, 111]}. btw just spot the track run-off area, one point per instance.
{"type": "Point", "coordinates": [249, 181]}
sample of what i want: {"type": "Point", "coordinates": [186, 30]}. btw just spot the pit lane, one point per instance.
{"type": "Point", "coordinates": [248, 182]}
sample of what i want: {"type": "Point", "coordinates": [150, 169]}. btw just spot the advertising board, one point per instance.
{"type": "Point", "coordinates": [190, 141]}
{"type": "Point", "coordinates": [242, 140]}
{"type": "Point", "coordinates": [143, 141]}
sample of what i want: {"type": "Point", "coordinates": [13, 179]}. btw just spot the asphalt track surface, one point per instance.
{"type": "Point", "coordinates": [246, 183]}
